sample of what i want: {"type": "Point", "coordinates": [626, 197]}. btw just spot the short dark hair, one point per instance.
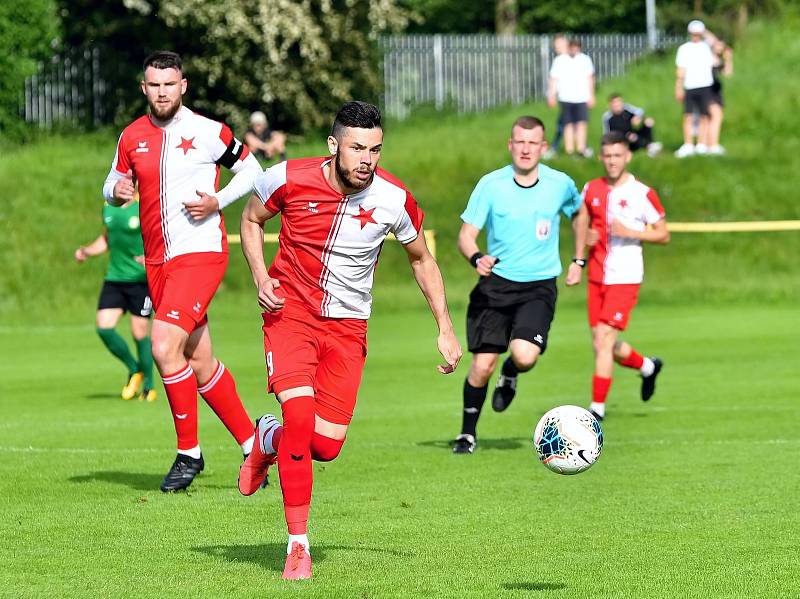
{"type": "Point", "coordinates": [163, 59]}
{"type": "Point", "coordinates": [528, 122]}
{"type": "Point", "coordinates": [613, 137]}
{"type": "Point", "coordinates": [575, 42]}
{"type": "Point", "coordinates": [614, 96]}
{"type": "Point", "coordinates": [356, 114]}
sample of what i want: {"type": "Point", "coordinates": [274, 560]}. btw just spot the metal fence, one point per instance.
{"type": "Point", "coordinates": [69, 88]}
{"type": "Point", "coordinates": [475, 72]}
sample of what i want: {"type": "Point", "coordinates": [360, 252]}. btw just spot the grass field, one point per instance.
{"type": "Point", "coordinates": [692, 497]}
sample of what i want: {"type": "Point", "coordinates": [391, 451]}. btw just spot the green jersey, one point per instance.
{"type": "Point", "coordinates": [124, 242]}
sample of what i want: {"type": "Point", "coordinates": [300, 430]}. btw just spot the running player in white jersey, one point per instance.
{"type": "Point", "coordinates": [174, 155]}
{"type": "Point", "coordinates": [336, 212]}
{"type": "Point", "coordinates": [621, 213]}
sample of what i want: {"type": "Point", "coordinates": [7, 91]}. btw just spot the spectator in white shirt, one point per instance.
{"type": "Point", "coordinates": [693, 87]}
{"type": "Point", "coordinates": [571, 84]}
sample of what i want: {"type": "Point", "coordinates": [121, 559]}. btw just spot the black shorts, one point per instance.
{"type": "Point", "coordinates": [574, 113]}
{"type": "Point", "coordinates": [131, 297]}
{"type": "Point", "coordinates": [697, 100]}
{"type": "Point", "coordinates": [500, 310]}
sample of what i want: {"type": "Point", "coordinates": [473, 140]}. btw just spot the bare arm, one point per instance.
{"type": "Point", "coordinates": [680, 74]}
{"type": "Point", "coordinates": [254, 215]}
{"type": "Point", "coordinates": [580, 226]}
{"type": "Point", "coordinates": [591, 91]}
{"type": "Point", "coordinates": [429, 278]}
{"type": "Point", "coordinates": [658, 233]}
{"type": "Point", "coordinates": [244, 173]}
{"type": "Point", "coordinates": [551, 91]}
{"type": "Point", "coordinates": [727, 70]}
{"type": "Point", "coordinates": [97, 247]}
{"type": "Point", "coordinates": [468, 246]}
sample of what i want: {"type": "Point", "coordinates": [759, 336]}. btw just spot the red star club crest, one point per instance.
{"type": "Point", "coordinates": [186, 145]}
{"type": "Point", "coordinates": [623, 203]}
{"type": "Point", "coordinates": [364, 216]}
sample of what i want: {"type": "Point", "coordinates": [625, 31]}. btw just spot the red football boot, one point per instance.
{"type": "Point", "coordinates": [298, 563]}
{"type": "Point", "coordinates": [253, 471]}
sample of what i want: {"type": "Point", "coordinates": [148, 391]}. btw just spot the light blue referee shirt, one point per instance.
{"type": "Point", "coordinates": [522, 223]}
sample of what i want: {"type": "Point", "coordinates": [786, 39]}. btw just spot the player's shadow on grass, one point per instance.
{"type": "Point", "coordinates": [141, 481]}
{"type": "Point", "coordinates": [272, 556]}
{"type": "Point", "coordinates": [533, 586]}
{"type": "Point", "coordinates": [483, 443]}
{"type": "Point", "coordinates": [102, 396]}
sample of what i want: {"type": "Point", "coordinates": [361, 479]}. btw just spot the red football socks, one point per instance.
{"type": "Point", "coordinates": [325, 449]}
{"type": "Point", "coordinates": [635, 361]}
{"type": "Point", "coordinates": [294, 462]}
{"type": "Point", "coordinates": [181, 388]}
{"type": "Point", "coordinates": [221, 395]}
{"type": "Point", "coordinates": [600, 387]}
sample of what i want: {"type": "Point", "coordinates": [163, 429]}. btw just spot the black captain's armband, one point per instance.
{"type": "Point", "coordinates": [579, 261]}
{"type": "Point", "coordinates": [232, 153]}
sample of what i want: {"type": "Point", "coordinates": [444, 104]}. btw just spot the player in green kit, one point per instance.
{"type": "Point", "coordinates": [124, 290]}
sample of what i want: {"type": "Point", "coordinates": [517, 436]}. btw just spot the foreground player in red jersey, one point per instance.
{"type": "Point", "coordinates": [336, 213]}
{"type": "Point", "coordinates": [621, 213]}
{"type": "Point", "coordinates": [174, 155]}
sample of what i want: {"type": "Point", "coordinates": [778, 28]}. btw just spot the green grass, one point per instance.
{"type": "Point", "coordinates": [51, 189]}
{"type": "Point", "coordinates": [692, 496]}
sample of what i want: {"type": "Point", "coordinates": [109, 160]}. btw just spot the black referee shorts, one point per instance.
{"type": "Point", "coordinates": [130, 297]}
{"type": "Point", "coordinates": [500, 310]}
{"type": "Point", "coordinates": [697, 100]}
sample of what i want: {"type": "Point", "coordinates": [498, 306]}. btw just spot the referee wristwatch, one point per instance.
{"type": "Point", "coordinates": [579, 261]}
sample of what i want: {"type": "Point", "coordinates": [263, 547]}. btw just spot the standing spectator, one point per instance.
{"type": "Point", "coordinates": [560, 47]}
{"type": "Point", "coordinates": [572, 85]}
{"type": "Point", "coordinates": [723, 67]}
{"type": "Point", "coordinates": [263, 141]}
{"type": "Point", "coordinates": [630, 121]}
{"type": "Point", "coordinates": [693, 87]}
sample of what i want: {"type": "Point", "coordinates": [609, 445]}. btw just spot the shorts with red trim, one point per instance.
{"type": "Point", "coordinates": [328, 354]}
{"type": "Point", "coordinates": [611, 304]}
{"type": "Point", "coordinates": [182, 288]}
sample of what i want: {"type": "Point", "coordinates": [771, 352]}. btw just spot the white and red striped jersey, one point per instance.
{"type": "Point", "coordinates": [616, 260]}
{"type": "Point", "coordinates": [329, 242]}
{"type": "Point", "coordinates": [170, 164]}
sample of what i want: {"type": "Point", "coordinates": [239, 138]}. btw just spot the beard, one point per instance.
{"type": "Point", "coordinates": [348, 178]}
{"type": "Point", "coordinates": [164, 113]}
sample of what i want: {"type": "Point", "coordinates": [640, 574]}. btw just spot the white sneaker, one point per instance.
{"type": "Point", "coordinates": [653, 149]}
{"type": "Point", "coordinates": [716, 150]}
{"type": "Point", "coordinates": [684, 151]}
{"type": "Point", "coordinates": [701, 149]}
{"type": "Point", "coordinates": [587, 153]}
{"type": "Point", "coordinates": [549, 154]}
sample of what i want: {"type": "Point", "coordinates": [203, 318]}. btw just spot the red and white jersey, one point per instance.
{"type": "Point", "coordinates": [170, 164]}
{"type": "Point", "coordinates": [616, 260]}
{"type": "Point", "coordinates": [329, 242]}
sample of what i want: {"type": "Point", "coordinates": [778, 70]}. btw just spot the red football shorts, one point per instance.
{"type": "Point", "coordinates": [611, 304]}
{"type": "Point", "coordinates": [328, 354]}
{"type": "Point", "coordinates": [182, 288]}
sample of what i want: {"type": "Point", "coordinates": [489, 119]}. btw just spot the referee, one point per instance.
{"type": "Point", "coordinates": [515, 298]}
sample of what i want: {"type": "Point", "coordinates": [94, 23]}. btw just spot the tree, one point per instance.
{"type": "Point", "coordinates": [296, 59]}
{"type": "Point", "coordinates": [27, 31]}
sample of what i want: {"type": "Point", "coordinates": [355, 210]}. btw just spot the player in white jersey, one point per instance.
{"type": "Point", "coordinates": [621, 213]}
{"type": "Point", "coordinates": [336, 212]}
{"type": "Point", "coordinates": [175, 155]}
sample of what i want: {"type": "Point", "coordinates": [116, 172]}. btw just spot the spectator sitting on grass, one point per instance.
{"type": "Point", "coordinates": [263, 141]}
{"type": "Point", "coordinates": [632, 123]}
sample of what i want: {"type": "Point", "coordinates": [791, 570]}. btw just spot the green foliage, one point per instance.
{"type": "Point", "coordinates": [441, 157]}
{"type": "Point", "coordinates": [27, 31]}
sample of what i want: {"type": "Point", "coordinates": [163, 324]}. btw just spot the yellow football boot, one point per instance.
{"type": "Point", "coordinates": [130, 390]}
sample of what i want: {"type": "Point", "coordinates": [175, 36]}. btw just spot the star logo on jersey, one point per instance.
{"type": "Point", "coordinates": [623, 204]}
{"type": "Point", "coordinates": [186, 145]}
{"type": "Point", "coordinates": [364, 216]}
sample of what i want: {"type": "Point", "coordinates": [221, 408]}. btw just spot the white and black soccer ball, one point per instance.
{"type": "Point", "coordinates": [568, 439]}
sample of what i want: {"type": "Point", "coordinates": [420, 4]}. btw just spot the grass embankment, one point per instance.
{"type": "Point", "coordinates": [50, 190]}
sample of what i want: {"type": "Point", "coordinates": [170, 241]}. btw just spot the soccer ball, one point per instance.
{"type": "Point", "coordinates": [568, 439]}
